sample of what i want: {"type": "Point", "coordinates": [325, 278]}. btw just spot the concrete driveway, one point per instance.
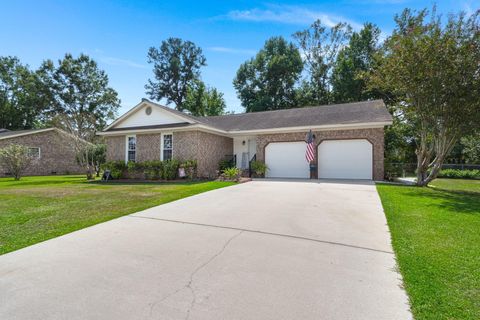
{"type": "Point", "coordinates": [260, 250]}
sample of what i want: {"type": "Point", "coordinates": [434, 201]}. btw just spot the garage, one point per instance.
{"type": "Point", "coordinates": [286, 160]}
{"type": "Point", "coordinates": [345, 159]}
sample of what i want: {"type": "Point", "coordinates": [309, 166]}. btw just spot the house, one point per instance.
{"type": "Point", "coordinates": [52, 149]}
{"type": "Point", "coordinates": [349, 139]}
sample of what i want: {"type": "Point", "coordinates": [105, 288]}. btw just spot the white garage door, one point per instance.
{"type": "Point", "coordinates": [345, 159]}
{"type": "Point", "coordinates": [286, 160]}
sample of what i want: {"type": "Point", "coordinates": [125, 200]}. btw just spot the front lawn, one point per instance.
{"type": "Point", "coordinates": [436, 238]}
{"type": "Point", "coordinates": [35, 209]}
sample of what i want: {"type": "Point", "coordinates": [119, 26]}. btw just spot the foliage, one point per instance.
{"type": "Point", "coordinates": [471, 148]}
{"type": "Point", "coordinates": [23, 97]}
{"type": "Point", "coordinates": [82, 102]}
{"type": "Point", "coordinates": [176, 64]}
{"type": "Point", "coordinates": [91, 157]}
{"type": "Point", "coordinates": [267, 81]}
{"type": "Point", "coordinates": [232, 173]}
{"type": "Point", "coordinates": [224, 164]}
{"type": "Point", "coordinates": [259, 167]}
{"type": "Point", "coordinates": [15, 159]}
{"type": "Point", "coordinates": [117, 168]}
{"type": "Point", "coordinates": [204, 101]}
{"type": "Point", "coordinates": [432, 68]}
{"type": "Point", "coordinates": [190, 167]}
{"type": "Point", "coordinates": [170, 169]}
{"type": "Point", "coordinates": [320, 46]}
{"type": "Point", "coordinates": [32, 210]}
{"type": "Point", "coordinates": [348, 84]}
{"type": "Point", "coordinates": [152, 169]}
{"type": "Point", "coordinates": [459, 174]}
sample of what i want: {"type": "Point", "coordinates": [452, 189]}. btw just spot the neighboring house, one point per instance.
{"type": "Point", "coordinates": [349, 140]}
{"type": "Point", "coordinates": [52, 149]}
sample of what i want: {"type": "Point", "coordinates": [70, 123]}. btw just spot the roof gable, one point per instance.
{"type": "Point", "coordinates": [147, 114]}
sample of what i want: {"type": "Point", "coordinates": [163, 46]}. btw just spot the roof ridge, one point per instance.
{"type": "Point", "coordinates": [283, 110]}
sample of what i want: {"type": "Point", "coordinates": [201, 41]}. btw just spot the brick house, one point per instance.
{"type": "Point", "coordinates": [349, 139]}
{"type": "Point", "coordinates": [52, 149]}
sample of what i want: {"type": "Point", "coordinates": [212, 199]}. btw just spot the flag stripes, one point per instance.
{"type": "Point", "coordinates": [310, 153]}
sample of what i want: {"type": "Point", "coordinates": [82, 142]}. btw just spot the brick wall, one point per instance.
{"type": "Point", "coordinates": [148, 147]}
{"type": "Point", "coordinates": [57, 153]}
{"type": "Point", "coordinates": [208, 149]}
{"type": "Point", "coordinates": [213, 149]}
{"type": "Point", "coordinates": [115, 148]}
{"type": "Point", "coordinates": [375, 136]}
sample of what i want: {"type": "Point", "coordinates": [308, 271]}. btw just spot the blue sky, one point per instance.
{"type": "Point", "coordinates": [117, 34]}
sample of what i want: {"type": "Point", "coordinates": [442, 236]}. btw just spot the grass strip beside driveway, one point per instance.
{"type": "Point", "coordinates": [436, 237]}
{"type": "Point", "coordinates": [35, 209]}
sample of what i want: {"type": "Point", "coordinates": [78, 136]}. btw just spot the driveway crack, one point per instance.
{"type": "Point", "coordinates": [189, 284]}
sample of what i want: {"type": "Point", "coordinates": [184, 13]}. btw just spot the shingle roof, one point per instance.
{"type": "Point", "coordinates": [338, 114]}
{"type": "Point", "coordinates": [6, 134]}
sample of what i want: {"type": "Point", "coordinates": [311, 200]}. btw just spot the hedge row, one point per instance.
{"type": "Point", "coordinates": [459, 174]}
{"type": "Point", "coordinates": [150, 170]}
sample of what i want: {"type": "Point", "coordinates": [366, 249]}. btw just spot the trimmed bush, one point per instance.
{"type": "Point", "coordinates": [459, 174]}
{"type": "Point", "coordinates": [170, 169]}
{"type": "Point", "coordinates": [117, 168]}
{"type": "Point", "coordinates": [153, 169]}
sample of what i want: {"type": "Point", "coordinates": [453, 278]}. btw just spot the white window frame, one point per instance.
{"type": "Point", "coordinates": [39, 152]}
{"type": "Point", "coordinates": [161, 144]}
{"type": "Point", "coordinates": [126, 146]}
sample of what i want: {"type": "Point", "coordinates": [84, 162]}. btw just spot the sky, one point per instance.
{"type": "Point", "coordinates": [117, 34]}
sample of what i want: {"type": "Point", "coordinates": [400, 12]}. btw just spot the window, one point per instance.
{"type": "Point", "coordinates": [131, 148]}
{"type": "Point", "coordinates": [167, 146]}
{"type": "Point", "coordinates": [34, 153]}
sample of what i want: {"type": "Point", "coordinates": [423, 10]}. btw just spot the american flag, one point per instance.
{"type": "Point", "coordinates": [310, 154]}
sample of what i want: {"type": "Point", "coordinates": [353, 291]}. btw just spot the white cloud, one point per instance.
{"type": "Point", "coordinates": [232, 50]}
{"type": "Point", "coordinates": [288, 15]}
{"type": "Point", "coordinates": [121, 62]}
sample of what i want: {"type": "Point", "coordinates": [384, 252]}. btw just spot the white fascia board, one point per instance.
{"type": "Point", "coordinates": [187, 128]}
{"type": "Point", "coordinates": [27, 133]}
{"type": "Point", "coordinates": [237, 133]}
{"type": "Point", "coordinates": [365, 125]}
{"type": "Point", "coordinates": [140, 105]}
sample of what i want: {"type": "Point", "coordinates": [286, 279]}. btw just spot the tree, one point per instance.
{"type": "Point", "coordinates": [22, 95]}
{"type": "Point", "coordinates": [434, 67]}
{"type": "Point", "coordinates": [471, 148]}
{"type": "Point", "coordinates": [82, 101]}
{"type": "Point", "coordinates": [267, 81]}
{"type": "Point", "coordinates": [320, 47]}
{"type": "Point", "coordinates": [204, 101]}
{"type": "Point", "coordinates": [176, 65]}
{"type": "Point", "coordinates": [352, 62]}
{"type": "Point", "coordinates": [91, 157]}
{"type": "Point", "coordinates": [15, 159]}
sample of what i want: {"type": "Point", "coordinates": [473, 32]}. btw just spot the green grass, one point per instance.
{"type": "Point", "coordinates": [35, 209]}
{"type": "Point", "coordinates": [436, 238]}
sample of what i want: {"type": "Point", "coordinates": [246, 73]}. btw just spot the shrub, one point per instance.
{"type": "Point", "coordinates": [459, 174]}
{"type": "Point", "coordinates": [232, 173]}
{"type": "Point", "coordinates": [170, 169]}
{"type": "Point", "coordinates": [259, 168]}
{"type": "Point", "coordinates": [225, 164]}
{"type": "Point", "coordinates": [190, 167]}
{"type": "Point", "coordinates": [117, 168]}
{"type": "Point", "coordinates": [152, 169]}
